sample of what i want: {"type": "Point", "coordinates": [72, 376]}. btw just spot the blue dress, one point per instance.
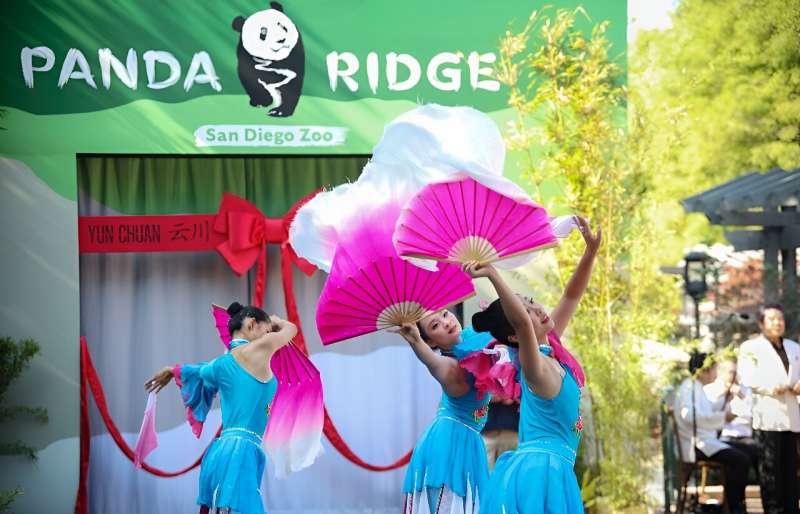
{"type": "Point", "coordinates": [231, 471]}
{"type": "Point", "coordinates": [449, 461]}
{"type": "Point", "coordinates": [539, 476]}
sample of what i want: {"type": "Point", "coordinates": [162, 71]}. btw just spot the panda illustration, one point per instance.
{"type": "Point", "coordinates": [271, 60]}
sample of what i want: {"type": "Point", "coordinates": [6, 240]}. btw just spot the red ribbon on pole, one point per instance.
{"type": "Point", "coordinates": [90, 382]}
{"type": "Point", "coordinates": [81, 499]}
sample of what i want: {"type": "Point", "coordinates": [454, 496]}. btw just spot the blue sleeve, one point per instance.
{"type": "Point", "coordinates": [198, 385]}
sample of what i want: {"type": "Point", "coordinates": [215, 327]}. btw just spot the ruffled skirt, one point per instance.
{"type": "Point", "coordinates": [231, 471]}
{"type": "Point", "coordinates": [533, 481]}
{"type": "Point", "coordinates": [448, 469]}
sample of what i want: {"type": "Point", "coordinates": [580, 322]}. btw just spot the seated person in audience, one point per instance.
{"type": "Point", "coordinates": [740, 398]}
{"type": "Point", "coordinates": [708, 418]}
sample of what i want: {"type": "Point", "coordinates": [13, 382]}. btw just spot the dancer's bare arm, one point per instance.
{"type": "Point", "coordinates": [281, 333]}
{"type": "Point", "coordinates": [576, 286]}
{"type": "Point", "coordinates": [540, 375]}
{"type": "Point", "coordinates": [445, 370]}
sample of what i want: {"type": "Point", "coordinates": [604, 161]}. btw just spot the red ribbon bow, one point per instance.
{"type": "Point", "coordinates": [247, 231]}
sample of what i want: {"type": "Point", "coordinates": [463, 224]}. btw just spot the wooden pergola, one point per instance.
{"type": "Point", "coordinates": [765, 206]}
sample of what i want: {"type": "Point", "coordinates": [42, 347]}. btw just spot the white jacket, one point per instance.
{"type": "Point", "coordinates": [742, 425]}
{"type": "Point", "coordinates": [710, 420]}
{"type": "Point", "coordinates": [761, 369]}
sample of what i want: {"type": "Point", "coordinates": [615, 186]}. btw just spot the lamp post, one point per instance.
{"type": "Point", "coordinates": [694, 282]}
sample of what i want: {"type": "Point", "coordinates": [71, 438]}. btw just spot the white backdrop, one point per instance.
{"type": "Point", "coordinates": [143, 311]}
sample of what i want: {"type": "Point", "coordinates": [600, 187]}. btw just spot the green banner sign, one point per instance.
{"type": "Point", "coordinates": [240, 77]}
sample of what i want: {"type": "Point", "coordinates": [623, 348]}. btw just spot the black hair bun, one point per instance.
{"type": "Point", "coordinates": [480, 321]}
{"type": "Point", "coordinates": [697, 361]}
{"type": "Point", "coordinates": [234, 308]}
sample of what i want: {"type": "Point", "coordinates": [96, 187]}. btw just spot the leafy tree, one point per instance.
{"type": "Point", "coordinates": [717, 95]}
{"type": "Point", "coordinates": [570, 102]}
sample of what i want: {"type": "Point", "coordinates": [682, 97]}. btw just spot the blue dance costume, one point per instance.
{"type": "Point", "coordinates": [539, 477]}
{"type": "Point", "coordinates": [231, 471]}
{"type": "Point", "coordinates": [448, 470]}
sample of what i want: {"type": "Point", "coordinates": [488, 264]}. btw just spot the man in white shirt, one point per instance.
{"type": "Point", "coordinates": [709, 418]}
{"type": "Point", "coordinates": [770, 365]}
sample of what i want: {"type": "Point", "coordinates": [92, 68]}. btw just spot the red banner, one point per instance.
{"type": "Point", "coordinates": [171, 233]}
{"type": "Point", "coordinates": [239, 232]}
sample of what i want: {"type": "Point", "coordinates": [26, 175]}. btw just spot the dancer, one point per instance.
{"type": "Point", "coordinates": [448, 469]}
{"type": "Point", "coordinates": [231, 470]}
{"type": "Point", "coordinates": [539, 476]}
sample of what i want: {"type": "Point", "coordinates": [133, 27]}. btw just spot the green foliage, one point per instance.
{"type": "Point", "coordinates": [589, 489]}
{"type": "Point", "coordinates": [14, 359]}
{"type": "Point", "coordinates": [715, 96]}
{"type": "Point", "coordinates": [37, 413]}
{"type": "Point", "coordinates": [17, 448]}
{"type": "Point", "coordinates": [570, 100]}
{"type": "Point", "coordinates": [7, 498]}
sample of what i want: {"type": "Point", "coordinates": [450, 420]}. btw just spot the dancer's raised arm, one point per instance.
{"type": "Point", "coordinates": [576, 286]}
{"type": "Point", "coordinates": [444, 369]}
{"type": "Point", "coordinates": [281, 332]}
{"type": "Point", "coordinates": [517, 322]}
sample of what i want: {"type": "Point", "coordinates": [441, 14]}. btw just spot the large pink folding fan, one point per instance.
{"type": "Point", "coordinates": [464, 221]}
{"type": "Point", "coordinates": [293, 436]}
{"type": "Point", "coordinates": [371, 288]}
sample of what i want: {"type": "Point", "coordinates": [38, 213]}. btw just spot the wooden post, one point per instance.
{"type": "Point", "coordinates": [772, 238]}
{"type": "Point", "coordinates": [789, 270]}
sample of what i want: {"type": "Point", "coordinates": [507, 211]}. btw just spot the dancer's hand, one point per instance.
{"type": "Point", "coordinates": [592, 240]}
{"type": "Point", "coordinates": [796, 388]}
{"type": "Point", "coordinates": [159, 380]}
{"type": "Point", "coordinates": [409, 332]}
{"type": "Point", "coordinates": [476, 270]}
{"type": "Point", "coordinates": [276, 322]}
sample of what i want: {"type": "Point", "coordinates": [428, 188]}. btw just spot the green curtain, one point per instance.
{"type": "Point", "coordinates": [193, 185]}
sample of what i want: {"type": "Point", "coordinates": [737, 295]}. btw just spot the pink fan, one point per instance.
{"type": "Point", "coordinates": [221, 318]}
{"type": "Point", "coordinates": [466, 221]}
{"type": "Point", "coordinates": [371, 288]}
{"type": "Point", "coordinates": [293, 435]}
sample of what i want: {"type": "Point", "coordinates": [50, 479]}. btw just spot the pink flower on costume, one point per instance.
{"type": "Point", "coordinates": [494, 372]}
{"type": "Point", "coordinates": [481, 413]}
{"type": "Point", "coordinates": [579, 426]}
